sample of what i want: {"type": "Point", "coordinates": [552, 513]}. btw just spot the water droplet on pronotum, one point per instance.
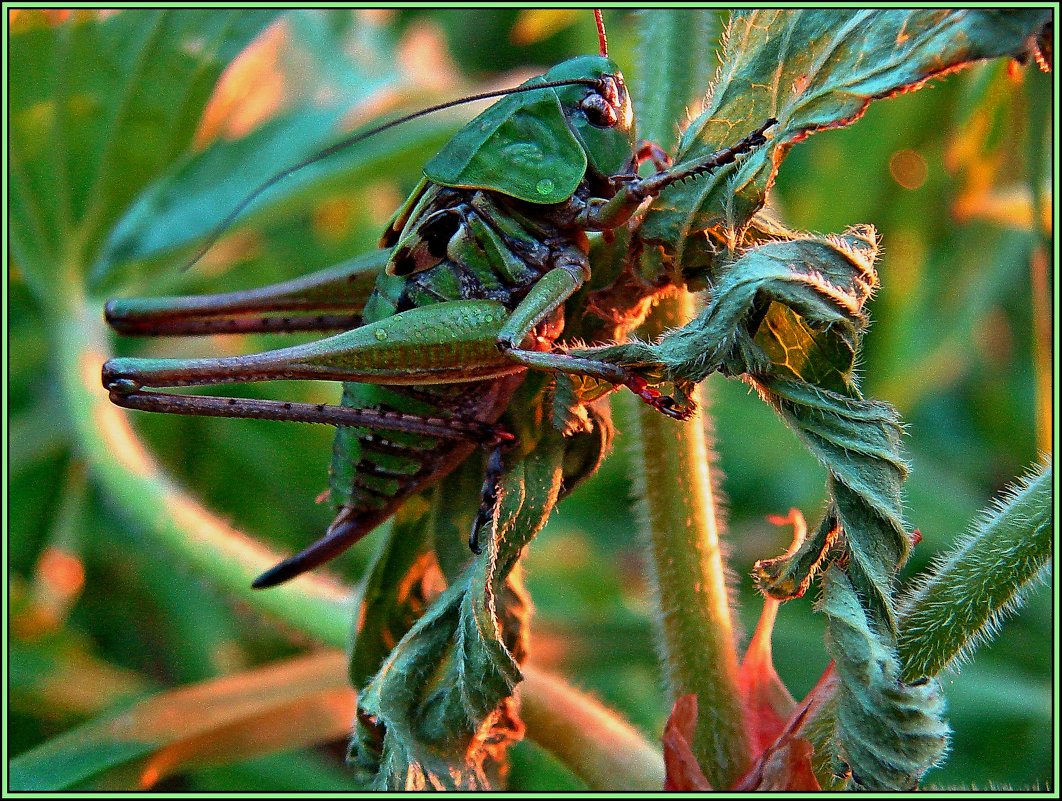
{"type": "Point", "coordinates": [544, 187]}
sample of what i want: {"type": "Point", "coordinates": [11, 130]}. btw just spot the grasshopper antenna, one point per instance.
{"type": "Point", "coordinates": [320, 155]}
{"type": "Point", "coordinates": [601, 40]}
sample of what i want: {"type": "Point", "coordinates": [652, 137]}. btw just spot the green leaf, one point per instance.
{"type": "Point", "coordinates": [423, 721]}
{"type": "Point", "coordinates": [795, 334]}
{"type": "Point", "coordinates": [888, 732]}
{"type": "Point", "coordinates": [789, 308]}
{"type": "Point", "coordinates": [101, 104]}
{"type": "Point", "coordinates": [440, 712]}
{"type": "Point", "coordinates": [670, 77]}
{"type": "Point", "coordinates": [286, 772]}
{"type": "Point", "coordinates": [396, 591]}
{"type": "Point", "coordinates": [820, 285]}
{"type": "Point", "coordinates": [810, 69]}
{"type": "Point", "coordinates": [201, 188]}
{"type": "Point", "coordinates": [60, 674]}
{"type": "Point", "coordinates": [799, 351]}
{"type": "Point", "coordinates": [157, 507]}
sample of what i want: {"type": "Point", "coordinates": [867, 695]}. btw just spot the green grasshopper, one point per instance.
{"type": "Point", "coordinates": [477, 265]}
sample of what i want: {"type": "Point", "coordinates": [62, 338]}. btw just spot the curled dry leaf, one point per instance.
{"type": "Point", "coordinates": [680, 765]}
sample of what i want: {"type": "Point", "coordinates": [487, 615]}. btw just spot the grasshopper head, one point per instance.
{"type": "Point", "coordinates": [600, 116]}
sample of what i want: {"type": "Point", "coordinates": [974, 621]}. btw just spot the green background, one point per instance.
{"type": "Point", "coordinates": [943, 174]}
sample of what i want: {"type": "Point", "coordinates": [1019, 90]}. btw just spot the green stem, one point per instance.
{"type": "Point", "coordinates": [673, 467]}
{"type": "Point", "coordinates": [676, 62]}
{"type": "Point", "coordinates": [676, 493]}
{"type": "Point", "coordinates": [597, 746]}
{"type": "Point", "coordinates": [977, 583]}
{"type": "Point", "coordinates": [158, 508]}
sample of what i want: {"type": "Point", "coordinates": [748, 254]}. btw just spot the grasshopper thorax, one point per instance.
{"type": "Point", "coordinates": [539, 144]}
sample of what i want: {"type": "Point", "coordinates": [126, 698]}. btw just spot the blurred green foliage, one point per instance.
{"type": "Point", "coordinates": [942, 173]}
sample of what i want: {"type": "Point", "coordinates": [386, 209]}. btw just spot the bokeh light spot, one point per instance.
{"type": "Point", "coordinates": [61, 571]}
{"type": "Point", "coordinates": [908, 169]}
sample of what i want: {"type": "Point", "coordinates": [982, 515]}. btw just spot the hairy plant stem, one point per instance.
{"type": "Point", "coordinates": [960, 602]}
{"type": "Point", "coordinates": [673, 467]}
{"type": "Point", "coordinates": [676, 494]}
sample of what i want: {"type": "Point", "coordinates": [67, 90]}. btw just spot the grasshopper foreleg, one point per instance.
{"type": "Point", "coordinates": [600, 215]}
{"type": "Point", "coordinates": [546, 296]}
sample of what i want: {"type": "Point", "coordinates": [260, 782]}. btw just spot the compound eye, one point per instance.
{"type": "Point", "coordinates": [599, 111]}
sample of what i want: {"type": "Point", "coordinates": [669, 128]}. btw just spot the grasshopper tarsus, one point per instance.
{"type": "Point", "coordinates": [111, 314]}
{"type": "Point", "coordinates": [669, 407]}
{"type": "Point", "coordinates": [499, 437]}
{"type": "Point", "coordinates": [473, 538]}
{"type": "Point", "coordinates": [664, 404]}
{"type": "Point", "coordinates": [652, 152]}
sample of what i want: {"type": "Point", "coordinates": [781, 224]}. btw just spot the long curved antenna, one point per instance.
{"type": "Point", "coordinates": [601, 40]}
{"type": "Point", "coordinates": [215, 235]}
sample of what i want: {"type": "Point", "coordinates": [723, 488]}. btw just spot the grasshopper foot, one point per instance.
{"type": "Point", "coordinates": [664, 404]}
{"type": "Point", "coordinates": [117, 380]}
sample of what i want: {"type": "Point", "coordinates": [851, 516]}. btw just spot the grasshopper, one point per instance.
{"type": "Point", "coordinates": [477, 265]}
